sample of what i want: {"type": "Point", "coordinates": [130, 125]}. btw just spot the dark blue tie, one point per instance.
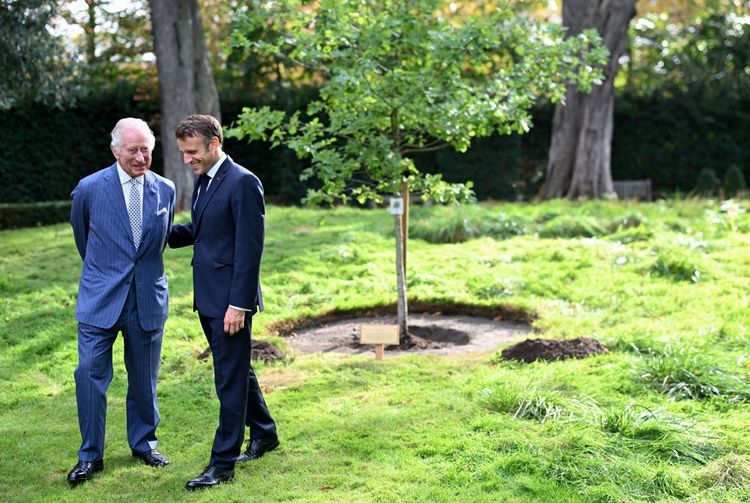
{"type": "Point", "coordinates": [202, 188]}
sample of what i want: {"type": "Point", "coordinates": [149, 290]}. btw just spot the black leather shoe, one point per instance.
{"type": "Point", "coordinates": [257, 447]}
{"type": "Point", "coordinates": [210, 477]}
{"type": "Point", "coordinates": [84, 470]}
{"type": "Point", "coordinates": [151, 458]}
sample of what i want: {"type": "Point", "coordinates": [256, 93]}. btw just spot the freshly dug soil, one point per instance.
{"type": "Point", "coordinates": [549, 350]}
{"type": "Point", "coordinates": [430, 333]}
{"type": "Point", "coordinates": [262, 350]}
{"type": "Point", "coordinates": [259, 350]}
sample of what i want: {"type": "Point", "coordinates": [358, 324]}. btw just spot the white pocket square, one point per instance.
{"type": "Point", "coordinates": [161, 212]}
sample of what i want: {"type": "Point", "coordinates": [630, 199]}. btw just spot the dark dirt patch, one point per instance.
{"type": "Point", "coordinates": [549, 350]}
{"type": "Point", "coordinates": [259, 350]}
{"type": "Point", "coordinates": [265, 351]}
{"type": "Point", "coordinates": [432, 337]}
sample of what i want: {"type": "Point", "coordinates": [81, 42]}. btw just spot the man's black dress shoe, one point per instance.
{"type": "Point", "coordinates": [256, 447]}
{"type": "Point", "coordinates": [151, 458]}
{"type": "Point", "coordinates": [84, 470]}
{"type": "Point", "coordinates": [210, 477]}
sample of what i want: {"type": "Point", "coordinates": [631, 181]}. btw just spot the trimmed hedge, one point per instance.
{"type": "Point", "coordinates": [667, 139]}
{"type": "Point", "coordinates": [14, 216]}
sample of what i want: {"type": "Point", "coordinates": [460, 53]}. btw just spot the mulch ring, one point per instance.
{"type": "Point", "coordinates": [531, 350]}
{"type": "Point", "coordinates": [497, 312]}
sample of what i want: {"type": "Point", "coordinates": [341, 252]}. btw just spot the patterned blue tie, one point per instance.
{"type": "Point", "coordinates": [135, 212]}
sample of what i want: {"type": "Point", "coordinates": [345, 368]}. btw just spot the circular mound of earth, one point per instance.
{"type": "Point", "coordinates": [531, 350]}
{"type": "Point", "coordinates": [259, 350]}
{"type": "Point", "coordinates": [262, 350]}
{"type": "Point", "coordinates": [431, 333]}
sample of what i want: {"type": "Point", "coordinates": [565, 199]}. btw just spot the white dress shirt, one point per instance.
{"type": "Point", "coordinates": [212, 172]}
{"type": "Point", "coordinates": [125, 183]}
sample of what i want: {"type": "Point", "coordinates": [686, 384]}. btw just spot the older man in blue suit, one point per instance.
{"type": "Point", "coordinates": [121, 218]}
{"type": "Point", "coordinates": [226, 231]}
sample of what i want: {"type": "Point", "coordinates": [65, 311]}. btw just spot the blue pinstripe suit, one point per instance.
{"type": "Point", "coordinates": [120, 290]}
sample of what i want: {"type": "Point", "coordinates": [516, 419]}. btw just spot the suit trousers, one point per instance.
{"type": "Point", "coordinates": [142, 350]}
{"type": "Point", "coordinates": [240, 398]}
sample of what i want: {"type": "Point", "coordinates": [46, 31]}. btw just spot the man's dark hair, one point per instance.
{"type": "Point", "coordinates": [199, 125]}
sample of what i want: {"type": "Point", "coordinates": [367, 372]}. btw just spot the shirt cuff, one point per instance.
{"type": "Point", "coordinates": [238, 308]}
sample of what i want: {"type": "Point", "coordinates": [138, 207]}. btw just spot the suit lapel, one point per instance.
{"type": "Point", "coordinates": [150, 205]}
{"type": "Point", "coordinates": [212, 189]}
{"type": "Point", "coordinates": [115, 194]}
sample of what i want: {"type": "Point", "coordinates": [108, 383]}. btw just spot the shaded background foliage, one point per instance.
{"type": "Point", "coordinates": [668, 139]}
{"type": "Point", "coordinates": [681, 108]}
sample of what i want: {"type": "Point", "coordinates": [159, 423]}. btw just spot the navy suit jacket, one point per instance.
{"type": "Point", "coordinates": [101, 228]}
{"type": "Point", "coordinates": [227, 232]}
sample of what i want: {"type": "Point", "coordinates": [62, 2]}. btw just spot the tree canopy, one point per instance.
{"type": "Point", "coordinates": [32, 66]}
{"type": "Point", "coordinates": [406, 77]}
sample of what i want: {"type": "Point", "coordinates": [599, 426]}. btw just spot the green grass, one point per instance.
{"type": "Point", "coordinates": [662, 417]}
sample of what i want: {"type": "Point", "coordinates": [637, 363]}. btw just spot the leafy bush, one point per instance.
{"type": "Point", "coordinates": [734, 181]}
{"type": "Point", "coordinates": [707, 184]}
{"type": "Point", "coordinates": [13, 216]}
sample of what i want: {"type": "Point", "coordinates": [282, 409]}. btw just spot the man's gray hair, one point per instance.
{"type": "Point", "coordinates": [130, 124]}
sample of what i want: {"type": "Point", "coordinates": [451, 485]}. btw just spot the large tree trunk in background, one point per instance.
{"type": "Point", "coordinates": [580, 151]}
{"type": "Point", "coordinates": [186, 83]}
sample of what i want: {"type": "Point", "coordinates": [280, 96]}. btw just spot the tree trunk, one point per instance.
{"type": "Point", "coordinates": [89, 32]}
{"type": "Point", "coordinates": [186, 83]}
{"type": "Point", "coordinates": [402, 310]}
{"type": "Point", "coordinates": [405, 219]}
{"type": "Point", "coordinates": [580, 151]}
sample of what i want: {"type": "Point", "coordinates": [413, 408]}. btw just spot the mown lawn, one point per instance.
{"type": "Point", "coordinates": [663, 417]}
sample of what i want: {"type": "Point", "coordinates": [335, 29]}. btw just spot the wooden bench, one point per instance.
{"type": "Point", "coordinates": [633, 189]}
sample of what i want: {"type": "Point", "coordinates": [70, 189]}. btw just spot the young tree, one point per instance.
{"type": "Point", "coordinates": [186, 81]}
{"type": "Point", "coordinates": [401, 78]}
{"type": "Point", "coordinates": [579, 157]}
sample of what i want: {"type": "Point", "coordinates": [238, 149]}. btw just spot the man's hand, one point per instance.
{"type": "Point", "coordinates": [234, 320]}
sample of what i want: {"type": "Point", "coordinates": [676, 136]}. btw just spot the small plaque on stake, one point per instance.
{"type": "Point", "coordinates": [378, 334]}
{"type": "Point", "coordinates": [397, 206]}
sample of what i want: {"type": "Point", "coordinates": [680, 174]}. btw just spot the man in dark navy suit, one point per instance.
{"type": "Point", "coordinates": [226, 231]}
{"type": "Point", "coordinates": [121, 218]}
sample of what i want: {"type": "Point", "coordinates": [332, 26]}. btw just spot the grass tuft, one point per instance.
{"type": "Point", "coordinates": [732, 470]}
{"type": "Point", "coordinates": [567, 226]}
{"type": "Point", "coordinates": [684, 373]}
{"type": "Point", "coordinates": [533, 405]}
{"type": "Point", "coordinates": [676, 265]}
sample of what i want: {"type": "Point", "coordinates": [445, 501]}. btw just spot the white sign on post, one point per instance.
{"type": "Point", "coordinates": [397, 206]}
